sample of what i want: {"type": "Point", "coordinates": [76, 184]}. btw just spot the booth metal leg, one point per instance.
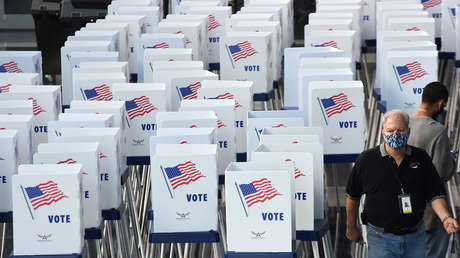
{"type": "Point", "coordinates": [162, 250]}
{"type": "Point", "coordinates": [315, 248]}
{"type": "Point", "coordinates": [2, 250]}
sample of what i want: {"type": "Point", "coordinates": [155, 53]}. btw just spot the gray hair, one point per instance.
{"type": "Point", "coordinates": [396, 113]}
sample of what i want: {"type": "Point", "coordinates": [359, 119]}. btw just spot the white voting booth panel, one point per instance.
{"type": "Point", "coordinates": [258, 120]}
{"type": "Point", "coordinates": [241, 92]}
{"type": "Point", "coordinates": [95, 86]}
{"type": "Point", "coordinates": [187, 119]}
{"type": "Point", "coordinates": [110, 159]}
{"type": "Point", "coordinates": [225, 132]}
{"type": "Point", "coordinates": [152, 14]}
{"type": "Point", "coordinates": [185, 6]}
{"type": "Point", "coordinates": [182, 136]}
{"type": "Point", "coordinates": [16, 107]}
{"type": "Point", "coordinates": [412, 71]}
{"type": "Point", "coordinates": [55, 127]}
{"type": "Point", "coordinates": [85, 154]}
{"type": "Point", "coordinates": [317, 150]}
{"type": "Point", "coordinates": [287, 13]}
{"type": "Point", "coordinates": [303, 174]}
{"type": "Point", "coordinates": [104, 66]}
{"type": "Point", "coordinates": [341, 39]}
{"type": "Point", "coordinates": [276, 11]}
{"type": "Point", "coordinates": [184, 85]}
{"type": "Point", "coordinates": [192, 34]}
{"type": "Point", "coordinates": [247, 17]}
{"type": "Point", "coordinates": [217, 16]}
{"type": "Point", "coordinates": [66, 66]}
{"type": "Point", "coordinates": [247, 58]}
{"type": "Point", "coordinates": [46, 103]}
{"type": "Point", "coordinates": [294, 131]}
{"type": "Point", "coordinates": [135, 29]}
{"type": "Point", "coordinates": [391, 14]}
{"type": "Point", "coordinates": [390, 10]}
{"type": "Point", "coordinates": [160, 54]}
{"type": "Point", "coordinates": [122, 29]}
{"type": "Point", "coordinates": [270, 26]}
{"type": "Point", "coordinates": [54, 226]}
{"type": "Point", "coordinates": [8, 166]}
{"type": "Point", "coordinates": [203, 31]}
{"type": "Point", "coordinates": [327, 63]}
{"type": "Point", "coordinates": [448, 25]}
{"type": "Point", "coordinates": [306, 76]}
{"type": "Point", "coordinates": [293, 139]}
{"type": "Point", "coordinates": [159, 66]}
{"type": "Point", "coordinates": [88, 35]}
{"type": "Point", "coordinates": [259, 210]}
{"type": "Point", "coordinates": [142, 102]}
{"type": "Point", "coordinates": [8, 79]}
{"type": "Point", "coordinates": [184, 176]}
{"type": "Point", "coordinates": [105, 119]}
{"type": "Point", "coordinates": [292, 57]}
{"type": "Point", "coordinates": [156, 40]}
{"type": "Point", "coordinates": [21, 62]}
{"type": "Point", "coordinates": [23, 125]}
{"type": "Point", "coordinates": [338, 107]}
{"type": "Point", "coordinates": [416, 24]}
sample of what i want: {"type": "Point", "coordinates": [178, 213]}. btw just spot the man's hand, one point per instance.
{"type": "Point", "coordinates": [450, 225]}
{"type": "Point", "coordinates": [354, 234]}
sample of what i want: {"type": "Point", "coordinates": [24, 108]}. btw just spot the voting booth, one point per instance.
{"type": "Point", "coordinates": [258, 120]}
{"type": "Point", "coordinates": [87, 155]}
{"type": "Point", "coordinates": [16, 107]}
{"type": "Point", "coordinates": [159, 54]}
{"type": "Point", "coordinates": [8, 166]}
{"type": "Point", "coordinates": [95, 86]}
{"type": "Point", "coordinates": [185, 177]}
{"type": "Point", "coordinates": [142, 102]}
{"type": "Point", "coordinates": [122, 35]}
{"type": "Point", "coordinates": [241, 92]}
{"type": "Point", "coordinates": [225, 132]}
{"type": "Point", "coordinates": [110, 159]}
{"type": "Point", "coordinates": [247, 57]}
{"type": "Point", "coordinates": [182, 136]}
{"type": "Point", "coordinates": [21, 62]}
{"type": "Point", "coordinates": [49, 199]}
{"type": "Point", "coordinates": [104, 66]}
{"type": "Point", "coordinates": [448, 30]}
{"type": "Point", "coordinates": [8, 79]}
{"type": "Point", "coordinates": [23, 125]}
{"type": "Point", "coordinates": [338, 107]}
{"type": "Point", "coordinates": [187, 119]}
{"type": "Point", "coordinates": [152, 14]}
{"type": "Point", "coordinates": [260, 213]}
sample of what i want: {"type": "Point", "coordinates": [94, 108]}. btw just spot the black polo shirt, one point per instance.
{"type": "Point", "coordinates": [374, 175]}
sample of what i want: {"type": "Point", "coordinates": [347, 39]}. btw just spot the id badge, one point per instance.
{"type": "Point", "coordinates": [405, 204]}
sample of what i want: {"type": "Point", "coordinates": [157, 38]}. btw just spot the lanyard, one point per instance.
{"type": "Point", "coordinates": [395, 173]}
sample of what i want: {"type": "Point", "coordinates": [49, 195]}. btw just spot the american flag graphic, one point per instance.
{"type": "Point", "coordinates": [37, 109]}
{"type": "Point", "coordinates": [139, 107]}
{"type": "Point", "coordinates": [67, 161]}
{"type": "Point", "coordinates": [184, 142]}
{"type": "Point", "coordinates": [2, 158]}
{"type": "Point", "coordinates": [331, 43]}
{"type": "Point", "coordinates": [413, 29]}
{"type": "Point", "coordinates": [212, 22]}
{"type": "Point", "coordinates": [228, 95]}
{"type": "Point", "coordinates": [183, 174]}
{"type": "Point", "coordinates": [430, 3]}
{"type": "Point", "coordinates": [279, 126]}
{"type": "Point", "coordinates": [192, 126]}
{"type": "Point", "coordinates": [220, 124]}
{"type": "Point", "coordinates": [5, 88]}
{"type": "Point", "coordinates": [241, 50]}
{"type": "Point", "coordinates": [187, 41]}
{"type": "Point", "coordinates": [102, 156]}
{"type": "Point", "coordinates": [336, 104]}
{"type": "Point", "coordinates": [44, 194]}
{"type": "Point", "coordinates": [258, 191]}
{"type": "Point", "coordinates": [410, 72]}
{"type": "Point", "coordinates": [160, 45]}
{"type": "Point", "coordinates": [99, 93]}
{"type": "Point", "coordinates": [191, 91]}
{"type": "Point", "coordinates": [297, 172]}
{"type": "Point", "coordinates": [10, 67]}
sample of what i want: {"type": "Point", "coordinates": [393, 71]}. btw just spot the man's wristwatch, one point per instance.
{"type": "Point", "coordinates": [445, 218]}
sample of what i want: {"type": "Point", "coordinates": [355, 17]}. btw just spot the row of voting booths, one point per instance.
{"type": "Point", "coordinates": [176, 92]}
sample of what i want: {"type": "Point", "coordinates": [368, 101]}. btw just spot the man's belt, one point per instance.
{"type": "Point", "coordinates": [397, 230]}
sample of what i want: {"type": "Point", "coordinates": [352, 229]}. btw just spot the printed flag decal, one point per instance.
{"type": "Point", "coordinates": [297, 172]}
{"type": "Point", "coordinates": [257, 191]}
{"type": "Point", "coordinates": [212, 22]}
{"type": "Point", "coordinates": [279, 126]}
{"type": "Point", "coordinates": [2, 158]}
{"type": "Point", "coordinates": [220, 124]}
{"type": "Point", "coordinates": [430, 3]}
{"type": "Point", "coordinates": [160, 45]}
{"type": "Point", "coordinates": [241, 50]}
{"type": "Point", "coordinates": [43, 194]}
{"type": "Point", "coordinates": [413, 29]}
{"type": "Point", "coordinates": [5, 88]}
{"type": "Point", "coordinates": [187, 41]}
{"type": "Point", "coordinates": [98, 93]}
{"type": "Point", "coordinates": [139, 107]}
{"type": "Point", "coordinates": [228, 95]}
{"type": "Point", "coordinates": [102, 156]}
{"type": "Point", "coordinates": [10, 67]}
{"type": "Point", "coordinates": [190, 91]}
{"type": "Point", "coordinates": [37, 109]}
{"type": "Point", "coordinates": [181, 174]}
{"type": "Point", "coordinates": [67, 161]}
{"type": "Point", "coordinates": [335, 105]}
{"type": "Point", "coordinates": [410, 72]}
{"type": "Point", "coordinates": [331, 43]}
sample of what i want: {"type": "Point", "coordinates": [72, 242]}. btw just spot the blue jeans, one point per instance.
{"type": "Point", "coordinates": [387, 245]}
{"type": "Point", "coordinates": [437, 242]}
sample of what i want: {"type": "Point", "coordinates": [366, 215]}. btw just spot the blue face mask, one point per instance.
{"type": "Point", "coordinates": [397, 140]}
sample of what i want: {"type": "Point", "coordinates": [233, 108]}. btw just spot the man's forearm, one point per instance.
{"type": "Point", "coordinates": [352, 212]}
{"type": "Point", "coordinates": [440, 207]}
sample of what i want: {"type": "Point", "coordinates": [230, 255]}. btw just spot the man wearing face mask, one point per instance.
{"type": "Point", "coordinates": [398, 181]}
{"type": "Point", "coordinates": [427, 133]}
